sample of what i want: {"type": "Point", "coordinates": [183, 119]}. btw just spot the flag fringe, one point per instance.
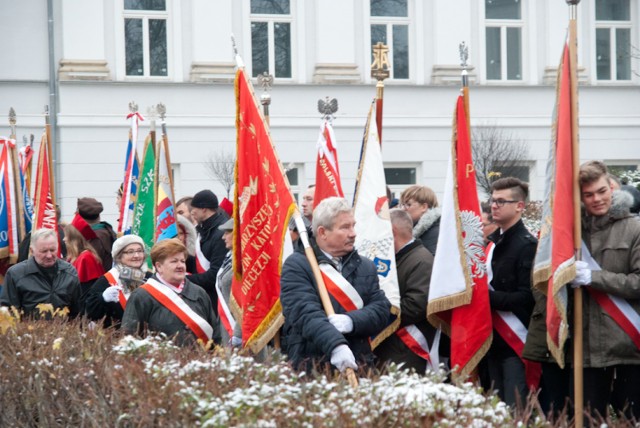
{"type": "Point", "coordinates": [266, 329]}
{"type": "Point", "coordinates": [449, 302]}
{"type": "Point", "coordinates": [388, 330]}
{"type": "Point", "coordinates": [468, 370]}
{"type": "Point", "coordinates": [540, 278]}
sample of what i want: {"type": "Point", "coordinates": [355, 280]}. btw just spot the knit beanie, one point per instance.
{"type": "Point", "coordinates": [122, 242]}
{"type": "Point", "coordinates": [205, 199]}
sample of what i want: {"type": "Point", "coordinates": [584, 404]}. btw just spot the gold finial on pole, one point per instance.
{"type": "Point", "coordinates": [380, 70]}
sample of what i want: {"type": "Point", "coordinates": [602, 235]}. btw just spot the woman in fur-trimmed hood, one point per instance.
{"type": "Point", "coordinates": [422, 205]}
{"type": "Point", "coordinates": [188, 235]}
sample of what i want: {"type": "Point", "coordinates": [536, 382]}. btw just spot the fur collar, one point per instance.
{"type": "Point", "coordinates": [427, 220]}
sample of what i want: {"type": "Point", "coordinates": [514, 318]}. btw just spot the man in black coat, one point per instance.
{"type": "Point", "coordinates": [205, 210]}
{"type": "Point", "coordinates": [510, 287]}
{"type": "Point", "coordinates": [343, 338]}
{"type": "Point", "coordinates": [42, 279]}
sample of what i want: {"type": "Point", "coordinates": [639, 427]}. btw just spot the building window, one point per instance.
{"type": "Point", "coordinates": [399, 178]}
{"type": "Point", "coordinates": [503, 19]}
{"type": "Point", "coordinates": [293, 175]}
{"type": "Point", "coordinates": [390, 25]}
{"type": "Point", "coordinates": [145, 37]}
{"type": "Point", "coordinates": [613, 40]}
{"type": "Point", "coordinates": [271, 37]}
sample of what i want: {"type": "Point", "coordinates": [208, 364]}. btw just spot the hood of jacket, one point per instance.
{"type": "Point", "coordinates": [427, 220]}
{"type": "Point", "coordinates": [190, 234]}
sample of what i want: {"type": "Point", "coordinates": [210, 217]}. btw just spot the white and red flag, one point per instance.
{"type": "Point", "coordinates": [327, 170]}
{"type": "Point", "coordinates": [374, 236]}
{"type": "Point", "coordinates": [458, 294]}
{"type": "Point", "coordinates": [554, 264]}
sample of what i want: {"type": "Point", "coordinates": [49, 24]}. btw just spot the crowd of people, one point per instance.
{"type": "Point", "coordinates": [184, 292]}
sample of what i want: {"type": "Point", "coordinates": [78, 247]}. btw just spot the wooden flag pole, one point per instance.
{"type": "Point", "coordinates": [380, 71]}
{"type": "Point", "coordinates": [578, 359]}
{"type": "Point", "coordinates": [322, 288]}
{"type": "Point", "coordinates": [47, 129]}
{"type": "Point", "coordinates": [13, 158]}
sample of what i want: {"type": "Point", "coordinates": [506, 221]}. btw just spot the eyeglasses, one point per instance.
{"type": "Point", "coordinates": [132, 252]}
{"type": "Point", "coordinates": [501, 202]}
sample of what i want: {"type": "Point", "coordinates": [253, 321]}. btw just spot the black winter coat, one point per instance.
{"type": "Point", "coordinates": [309, 336]}
{"type": "Point", "coordinates": [25, 286]}
{"type": "Point", "coordinates": [145, 313]}
{"type": "Point", "coordinates": [511, 264]}
{"type": "Point", "coordinates": [214, 250]}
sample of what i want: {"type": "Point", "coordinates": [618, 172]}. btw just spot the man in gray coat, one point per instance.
{"type": "Point", "coordinates": [609, 272]}
{"type": "Point", "coordinates": [415, 344]}
{"type": "Point", "coordinates": [42, 279]}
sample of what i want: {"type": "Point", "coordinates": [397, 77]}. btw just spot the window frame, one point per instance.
{"type": "Point", "coordinates": [389, 22]}
{"type": "Point", "coordinates": [145, 15]}
{"type": "Point", "coordinates": [271, 20]}
{"type": "Point", "coordinates": [612, 26]}
{"type": "Point", "coordinates": [504, 24]}
{"type": "Point", "coordinates": [397, 189]}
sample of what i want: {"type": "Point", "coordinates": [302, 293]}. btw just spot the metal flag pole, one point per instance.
{"type": "Point", "coordinates": [380, 70]}
{"type": "Point", "coordinates": [578, 335]}
{"type": "Point", "coordinates": [464, 57]}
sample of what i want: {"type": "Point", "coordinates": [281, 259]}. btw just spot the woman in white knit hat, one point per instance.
{"type": "Point", "coordinates": [109, 294]}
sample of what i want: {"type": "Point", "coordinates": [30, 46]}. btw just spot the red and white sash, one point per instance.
{"type": "Point", "coordinates": [112, 279]}
{"type": "Point", "coordinates": [512, 330]}
{"type": "Point", "coordinates": [172, 301]}
{"type": "Point", "coordinates": [616, 307]}
{"type": "Point", "coordinates": [417, 343]}
{"type": "Point", "coordinates": [226, 317]}
{"type": "Point", "coordinates": [340, 289]}
{"type": "Point", "coordinates": [202, 264]}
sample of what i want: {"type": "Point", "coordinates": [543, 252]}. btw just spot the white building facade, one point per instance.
{"type": "Point", "coordinates": [179, 52]}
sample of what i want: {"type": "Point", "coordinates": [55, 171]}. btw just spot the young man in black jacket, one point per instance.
{"type": "Point", "coordinates": [510, 264]}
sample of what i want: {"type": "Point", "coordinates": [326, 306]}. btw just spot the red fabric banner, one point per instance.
{"type": "Point", "coordinates": [262, 208]}
{"type": "Point", "coordinates": [327, 170]}
{"type": "Point", "coordinates": [44, 205]}
{"type": "Point", "coordinates": [554, 264]}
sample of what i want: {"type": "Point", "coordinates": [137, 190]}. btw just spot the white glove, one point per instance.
{"type": "Point", "coordinates": [583, 274]}
{"type": "Point", "coordinates": [342, 323]}
{"type": "Point", "coordinates": [342, 358]}
{"type": "Point", "coordinates": [236, 342]}
{"type": "Point", "coordinates": [111, 294]}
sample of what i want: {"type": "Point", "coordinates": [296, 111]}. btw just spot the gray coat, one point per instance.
{"type": "Point", "coordinates": [144, 312]}
{"type": "Point", "coordinates": [614, 242]}
{"type": "Point", "coordinates": [26, 286]}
